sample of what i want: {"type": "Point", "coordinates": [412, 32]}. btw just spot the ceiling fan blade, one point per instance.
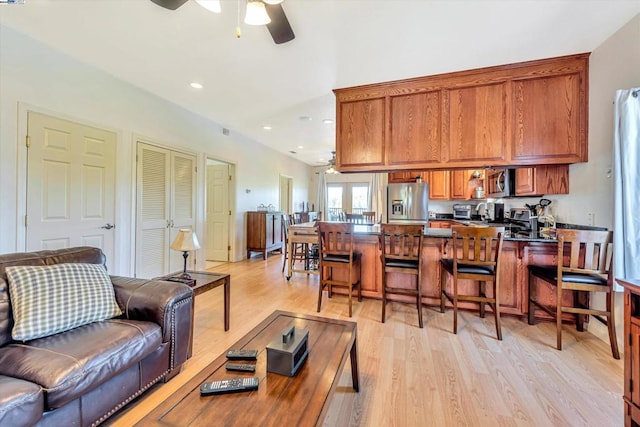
{"type": "Point", "coordinates": [279, 26]}
{"type": "Point", "coordinates": [170, 4]}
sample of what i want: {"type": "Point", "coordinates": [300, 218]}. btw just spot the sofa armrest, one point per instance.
{"type": "Point", "coordinates": [169, 304]}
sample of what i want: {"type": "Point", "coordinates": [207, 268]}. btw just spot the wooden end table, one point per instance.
{"type": "Point", "coordinates": [302, 400]}
{"type": "Point", "coordinates": [205, 281]}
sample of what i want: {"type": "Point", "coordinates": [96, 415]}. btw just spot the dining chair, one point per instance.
{"type": "Point", "coordinates": [298, 249]}
{"type": "Point", "coordinates": [476, 256]}
{"type": "Point", "coordinates": [400, 252]}
{"type": "Point", "coordinates": [369, 217]}
{"type": "Point", "coordinates": [583, 267]}
{"type": "Point", "coordinates": [354, 218]}
{"type": "Point", "coordinates": [339, 262]}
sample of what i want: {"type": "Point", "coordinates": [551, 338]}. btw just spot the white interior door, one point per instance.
{"type": "Point", "coordinates": [165, 203]}
{"type": "Point", "coordinates": [286, 191]}
{"type": "Point", "coordinates": [218, 213]}
{"type": "Point", "coordinates": [70, 185]}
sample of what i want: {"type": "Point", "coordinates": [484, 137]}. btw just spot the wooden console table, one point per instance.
{"type": "Point", "coordinates": [302, 400]}
{"type": "Point", "coordinates": [205, 281]}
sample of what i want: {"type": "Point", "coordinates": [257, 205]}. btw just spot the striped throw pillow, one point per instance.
{"type": "Point", "coordinates": [46, 300]}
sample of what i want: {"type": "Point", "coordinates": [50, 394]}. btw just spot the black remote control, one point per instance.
{"type": "Point", "coordinates": [234, 385]}
{"type": "Point", "coordinates": [242, 354]}
{"type": "Point", "coordinates": [243, 367]}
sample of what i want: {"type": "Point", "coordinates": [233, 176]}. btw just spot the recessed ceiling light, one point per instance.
{"type": "Point", "coordinates": [327, 121]}
{"type": "Point", "coordinates": [196, 85]}
{"type": "Point", "coordinates": [300, 147]}
{"type": "Point", "coordinates": [305, 118]}
{"type": "Point", "coordinates": [267, 127]}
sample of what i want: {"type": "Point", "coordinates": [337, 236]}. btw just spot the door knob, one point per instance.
{"type": "Point", "coordinates": [108, 226]}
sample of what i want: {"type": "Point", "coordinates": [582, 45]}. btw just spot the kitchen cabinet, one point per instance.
{"type": "Point", "coordinates": [477, 124]}
{"type": "Point", "coordinates": [264, 232]}
{"type": "Point", "coordinates": [361, 132]}
{"type": "Point", "coordinates": [522, 114]}
{"type": "Point", "coordinates": [540, 180]}
{"type": "Point", "coordinates": [463, 184]}
{"type": "Point", "coordinates": [438, 223]}
{"type": "Point", "coordinates": [631, 354]}
{"type": "Point", "coordinates": [550, 118]}
{"type": "Point", "coordinates": [439, 185]}
{"type": "Point", "coordinates": [415, 123]}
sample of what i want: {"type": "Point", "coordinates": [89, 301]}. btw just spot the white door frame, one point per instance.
{"type": "Point", "coordinates": [232, 204]}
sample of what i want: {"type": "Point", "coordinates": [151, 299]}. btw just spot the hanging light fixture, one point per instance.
{"type": "Point", "coordinates": [332, 165]}
{"type": "Point", "coordinates": [210, 5]}
{"type": "Point", "coordinates": [256, 13]}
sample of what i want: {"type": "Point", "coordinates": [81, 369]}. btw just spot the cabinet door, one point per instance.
{"type": "Point", "coordinates": [439, 185]}
{"type": "Point", "coordinates": [461, 184]}
{"type": "Point", "coordinates": [477, 124]}
{"type": "Point", "coordinates": [398, 177]}
{"type": "Point", "coordinates": [415, 129]}
{"type": "Point", "coordinates": [634, 331]}
{"type": "Point", "coordinates": [525, 181]}
{"type": "Point", "coordinates": [548, 121]}
{"type": "Point", "coordinates": [360, 138]}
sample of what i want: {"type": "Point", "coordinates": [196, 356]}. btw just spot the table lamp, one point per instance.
{"type": "Point", "coordinates": [185, 241]}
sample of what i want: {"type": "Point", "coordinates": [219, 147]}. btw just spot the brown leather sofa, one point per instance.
{"type": "Point", "coordinates": [82, 376]}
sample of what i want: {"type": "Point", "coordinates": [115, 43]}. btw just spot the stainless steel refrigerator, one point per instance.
{"type": "Point", "coordinates": [408, 203]}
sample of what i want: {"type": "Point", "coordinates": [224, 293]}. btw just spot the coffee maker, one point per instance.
{"type": "Point", "coordinates": [498, 212]}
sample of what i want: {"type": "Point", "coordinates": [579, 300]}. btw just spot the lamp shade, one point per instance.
{"type": "Point", "coordinates": [186, 240]}
{"type": "Point", "coordinates": [256, 13]}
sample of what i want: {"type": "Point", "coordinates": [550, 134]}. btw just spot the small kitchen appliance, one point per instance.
{"type": "Point", "coordinates": [462, 211]}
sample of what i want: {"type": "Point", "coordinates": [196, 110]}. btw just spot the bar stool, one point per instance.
{"type": "Point", "coordinates": [476, 256]}
{"type": "Point", "coordinates": [583, 266]}
{"type": "Point", "coordinates": [400, 252]}
{"type": "Point", "coordinates": [337, 256]}
{"type": "Point", "coordinates": [298, 250]}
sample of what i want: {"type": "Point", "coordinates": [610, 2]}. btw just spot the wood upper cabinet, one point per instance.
{"type": "Point", "coordinates": [540, 180]}
{"type": "Point", "coordinates": [415, 129]}
{"type": "Point", "coordinates": [462, 184]}
{"type": "Point", "coordinates": [361, 132]}
{"type": "Point", "coordinates": [439, 185]}
{"type": "Point", "coordinates": [477, 128]}
{"type": "Point", "coordinates": [521, 114]}
{"type": "Point", "coordinates": [550, 119]}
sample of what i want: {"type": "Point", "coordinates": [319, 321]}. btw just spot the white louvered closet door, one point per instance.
{"type": "Point", "coordinates": [165, 203]}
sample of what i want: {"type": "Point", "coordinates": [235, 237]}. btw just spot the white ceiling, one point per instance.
{"type": "Point", "coordinates": [250, 82]}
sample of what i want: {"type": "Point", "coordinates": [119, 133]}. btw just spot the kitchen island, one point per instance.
{"type": "Point", "coordinates": [518, 252]}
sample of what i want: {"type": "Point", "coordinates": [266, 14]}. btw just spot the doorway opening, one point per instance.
{"type": "Point", "coordinates": [218, 209]}
{"type": "Point", "coordinates": [286, 193]}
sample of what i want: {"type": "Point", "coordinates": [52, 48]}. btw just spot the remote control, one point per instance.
{"type": "Point", "coordinates": [234, 385]}
{"type": "Point", "coordinates": [242, 354]}
{"type": "Point", "coordinates": [243, 367]}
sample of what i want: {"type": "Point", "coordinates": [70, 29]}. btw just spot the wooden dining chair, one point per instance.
{"type": "Point", "coordinates": [476, 256]}
{"type": "Point", "coordinates": [339, 263]}
{"type": "Point", "coordinates": [298, 251]}
{"type": "Point", "coordinates": [369, 217]}
{"type": "Point", "coordinates": [400, 252]}
{"type": "Point", "coordinates": [354, 218]}
{"type": "Point", "coordinates": [583, 267]}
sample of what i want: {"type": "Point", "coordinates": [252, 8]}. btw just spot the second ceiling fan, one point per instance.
{"type": "Point", "coordinates": [276, 20]}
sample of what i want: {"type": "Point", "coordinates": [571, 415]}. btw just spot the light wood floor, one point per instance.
{"type": "Point", "coordinates": [416, 377]}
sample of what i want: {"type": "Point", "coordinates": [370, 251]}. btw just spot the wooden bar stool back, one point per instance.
{"type": "Point", "coordinates": [584, 258]}
{"type": "Point", "coordinates": [400, 252]}
{"type": "Point", "coordinates": [339, 263]}
{"type": "Point", "coordinates": [368, 217]}
{"type": "Point", "coordinates": [476, 256]}
{"type": "Point", "coordinates": [298, 250]}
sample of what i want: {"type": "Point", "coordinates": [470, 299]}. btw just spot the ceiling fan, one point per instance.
{"type": "Point", "coordinates": [332, 164]}
{"type": "Point", "coordinates": [279, 27]}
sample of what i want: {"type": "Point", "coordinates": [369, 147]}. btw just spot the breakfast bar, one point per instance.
{"type": "Point", "coordinates": [518, 252]}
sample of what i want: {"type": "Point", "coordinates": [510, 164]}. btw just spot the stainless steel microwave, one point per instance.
{"type": "Point", "coordinates": [500, 182]}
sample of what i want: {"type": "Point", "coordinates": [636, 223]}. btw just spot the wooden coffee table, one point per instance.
{"type": "Point", "coordinates": [301, 400]}
{"type": "Point", "coordinates": [205, 281]}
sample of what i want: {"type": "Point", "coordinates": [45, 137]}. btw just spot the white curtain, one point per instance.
{"type": "Point", "coordinates": [626, 236]}
{"type": "Point", "coordinates": [321, 201]}
{"type": "Point", "coordinates": [376, 196]}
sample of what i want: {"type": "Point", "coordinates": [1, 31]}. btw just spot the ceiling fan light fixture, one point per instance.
{"type": "Point", "coordinates": [332, 165]}
{"type": "Point", "coordinates": [256, 13]}
{"type": "Point", "coordinates": [210, 5]}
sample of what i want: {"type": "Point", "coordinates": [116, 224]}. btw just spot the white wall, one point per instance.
{"type": "Point", "coordinates": [33, 76]}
